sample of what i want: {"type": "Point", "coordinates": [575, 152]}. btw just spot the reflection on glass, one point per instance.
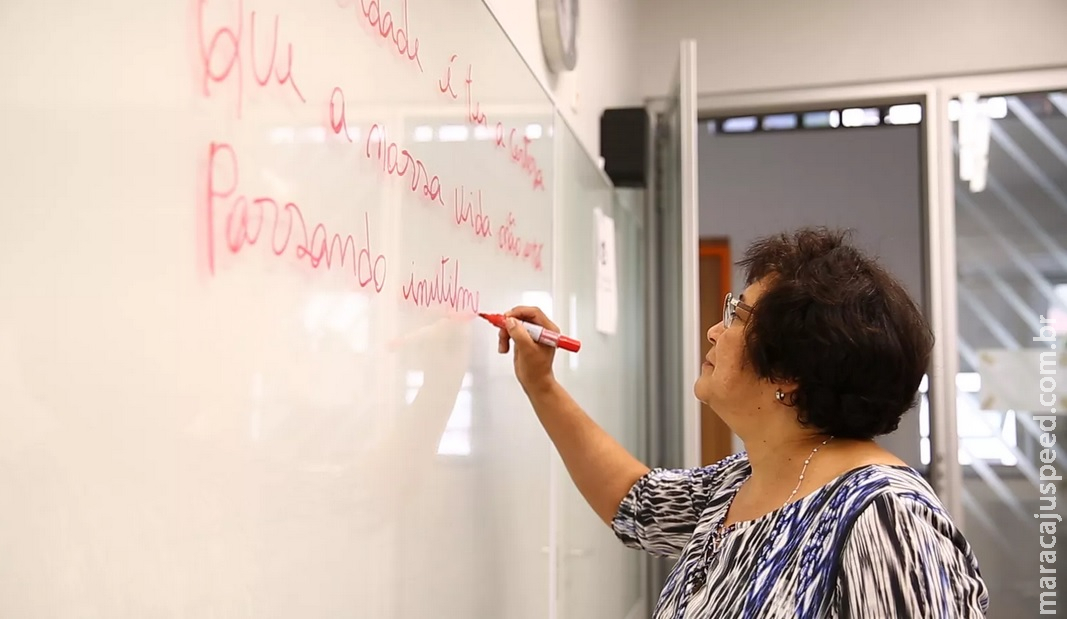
{"type": "Point", "coordinates": [1056, 312]}
{"type": "Point", "coordinates": [1011, 235]}
{"type": "Point", "coordinates": [986, 435]}
{"type": "Point", "coordinates": [423, 133]}
{"type": "Point", "coordinates": [342, 314]}
{"type": "Point", "coordinates": [452, 133]}
{"type": "Point", "coordinates": [538, 298]}
{"type": "Point", "coordinates": [456, 438]}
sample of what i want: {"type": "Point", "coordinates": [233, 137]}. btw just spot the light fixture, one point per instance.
{"type": "Point", "coordinates": [974, 129]}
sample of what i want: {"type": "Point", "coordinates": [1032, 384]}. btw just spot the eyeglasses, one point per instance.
{"type": "Point", "coordinates": [729, 309]}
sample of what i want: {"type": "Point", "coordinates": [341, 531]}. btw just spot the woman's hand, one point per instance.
{"type": "Point", "coordinates": [533, 361]}
{"type": "Point", "coordinates": [601, 468]}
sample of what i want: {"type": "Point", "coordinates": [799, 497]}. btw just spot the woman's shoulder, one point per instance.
{"type": "Point", "coordinates": [893, 480]}
{"type": "Point", "coordinates": [898, 489]}
{"type": "Point", "coordinates": [884, 502]}
{"type": "Point", "coordinates": [838, 502]}
{"type": "Point", "coordinates": [905, 534]}
{"type": "Point", "coordinates": [729, 470]}
{"type": "Point", "coordinates": [711, 479]}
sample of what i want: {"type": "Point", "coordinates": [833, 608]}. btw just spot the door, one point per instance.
{"type": "Point", "coordinates": [716, 439]}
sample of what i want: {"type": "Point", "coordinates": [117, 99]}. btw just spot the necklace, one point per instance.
{"type": "Point", "coordinates": [699, 574]}
{"type": "Point", "coordinates": [719, 533]}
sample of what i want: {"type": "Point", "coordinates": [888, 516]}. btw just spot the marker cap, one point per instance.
{"type": "Point", "coordinates": [568, 343]}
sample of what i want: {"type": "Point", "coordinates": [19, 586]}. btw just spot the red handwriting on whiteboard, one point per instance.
{"type": "Point", "coordinates": [400, 162]}
{"type": "Point", "coordinates": [383, 24]}
{"type": "Point", "coordinates": [389, 153]}
{"type": "Point", "coordinates": [247, 218]}
{"type": "Point", "coordinates": [465, 213]}
{"type": "Point", "coordinates": [392, 156]}
{"type": "Point", "coordinates": [395, 161]}
{"type": "Point", "coordinates": [474, 109]}
{"type": "Point", "coordinates": [338, 121]}
{"type": "Point", "coordinates": [512, 244]}
{"type": "Point", "coordinates": [222, 53]}
{"type": "Point", "coordinates": [444, 85]}
{"type": "Point", "coordinates": [505, 139]}
{"type": "Point", "coordinates": [442, 288]}
{"type": "Point", "coordinates": [520, 154]}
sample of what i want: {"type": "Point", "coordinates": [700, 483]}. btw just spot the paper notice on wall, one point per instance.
{"type": "Point", "coordinates": [607, 292]}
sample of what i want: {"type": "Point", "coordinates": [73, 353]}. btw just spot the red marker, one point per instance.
{"type": "Point", "coordinates": [539, 334]}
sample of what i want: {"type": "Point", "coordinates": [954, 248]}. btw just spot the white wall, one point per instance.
{"type": "Point", "coordinates": [607, 52]}
{"type": "Point", "coordinates": [777, 44]}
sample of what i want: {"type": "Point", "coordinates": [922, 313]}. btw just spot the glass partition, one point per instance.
{"type": "Point", "coordinates": [598, 576]}
{"type": "Point", "coordinates": [1010, 153]}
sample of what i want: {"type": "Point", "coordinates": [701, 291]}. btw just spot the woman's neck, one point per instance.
{"type": "Point", "coordinates": [778, 459]}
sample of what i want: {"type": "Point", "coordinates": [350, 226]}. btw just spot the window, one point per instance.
{"type": "Point", "coordinates": [835, 119]}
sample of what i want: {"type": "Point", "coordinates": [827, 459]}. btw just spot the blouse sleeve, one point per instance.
{"type": "Point", "coordinates": [662, 509]}
{"type": "Point", "coordinates": [904, 558]}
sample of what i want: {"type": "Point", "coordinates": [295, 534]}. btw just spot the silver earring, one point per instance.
{"type": "Point", "coordinates": [778, 395]}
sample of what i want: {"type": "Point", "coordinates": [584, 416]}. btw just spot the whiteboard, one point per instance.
{"type": "Point", "coordinates": [598, 576]}
{"type": "Point", "coordinates": [241, 247]}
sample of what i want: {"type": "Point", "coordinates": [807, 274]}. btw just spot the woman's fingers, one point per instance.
{"type": "Point", "coordinates": [503, 341]}
{"type": "Point", "coordinates": [532, 315]}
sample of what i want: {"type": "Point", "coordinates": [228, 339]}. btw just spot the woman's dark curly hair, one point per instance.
{"type": "Point", "coordinates": [838, 325]}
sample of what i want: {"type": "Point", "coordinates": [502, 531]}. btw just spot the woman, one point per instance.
{"type": "Point", "coordinates": [822, 352]}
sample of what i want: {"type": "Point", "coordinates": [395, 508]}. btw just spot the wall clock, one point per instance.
{"type": "Point", "coordinates": [559, 33]}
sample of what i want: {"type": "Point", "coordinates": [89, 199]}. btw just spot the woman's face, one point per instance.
{"type": "Point", "coordinates": [728, 383]}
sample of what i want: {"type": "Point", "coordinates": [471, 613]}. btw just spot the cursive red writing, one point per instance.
{"type": "Point", "coordinates": [245, 219]}
{"type": "Point", "coordinates": [442, 288]}
{"type": "Point", "coordinates": [400, 162]}
{"type": "Point", "coordinates": [474, 109]}
{"type": "Point", "coordinates": [520, 154]}
{"type": "Point", "coordinates": [445, 84]}
{"type": "Point", "coordinates": [338, 122]}
{"type": "Point", "coordinates": [465, 213]}
{"type": "Point", "coordinates": [222, 55]}
{"type": "Point", "coordinates": [519, 151]}
{"type": "Point", "coordinates": [512, 244]}
{"type": "Point", "coordinates": [272, 71]}
{"type": "Point", "coordinates": [383, 24]}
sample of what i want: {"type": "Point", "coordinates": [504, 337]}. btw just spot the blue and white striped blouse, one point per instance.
{"type": "Point", "coordinates": [875, 542]}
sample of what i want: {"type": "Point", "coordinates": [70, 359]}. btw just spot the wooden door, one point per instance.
{"type": "Point", "coordinates": [716, 440]}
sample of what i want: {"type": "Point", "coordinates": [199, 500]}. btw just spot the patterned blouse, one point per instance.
{"type": "Point", "coordinates": [874, 543]}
